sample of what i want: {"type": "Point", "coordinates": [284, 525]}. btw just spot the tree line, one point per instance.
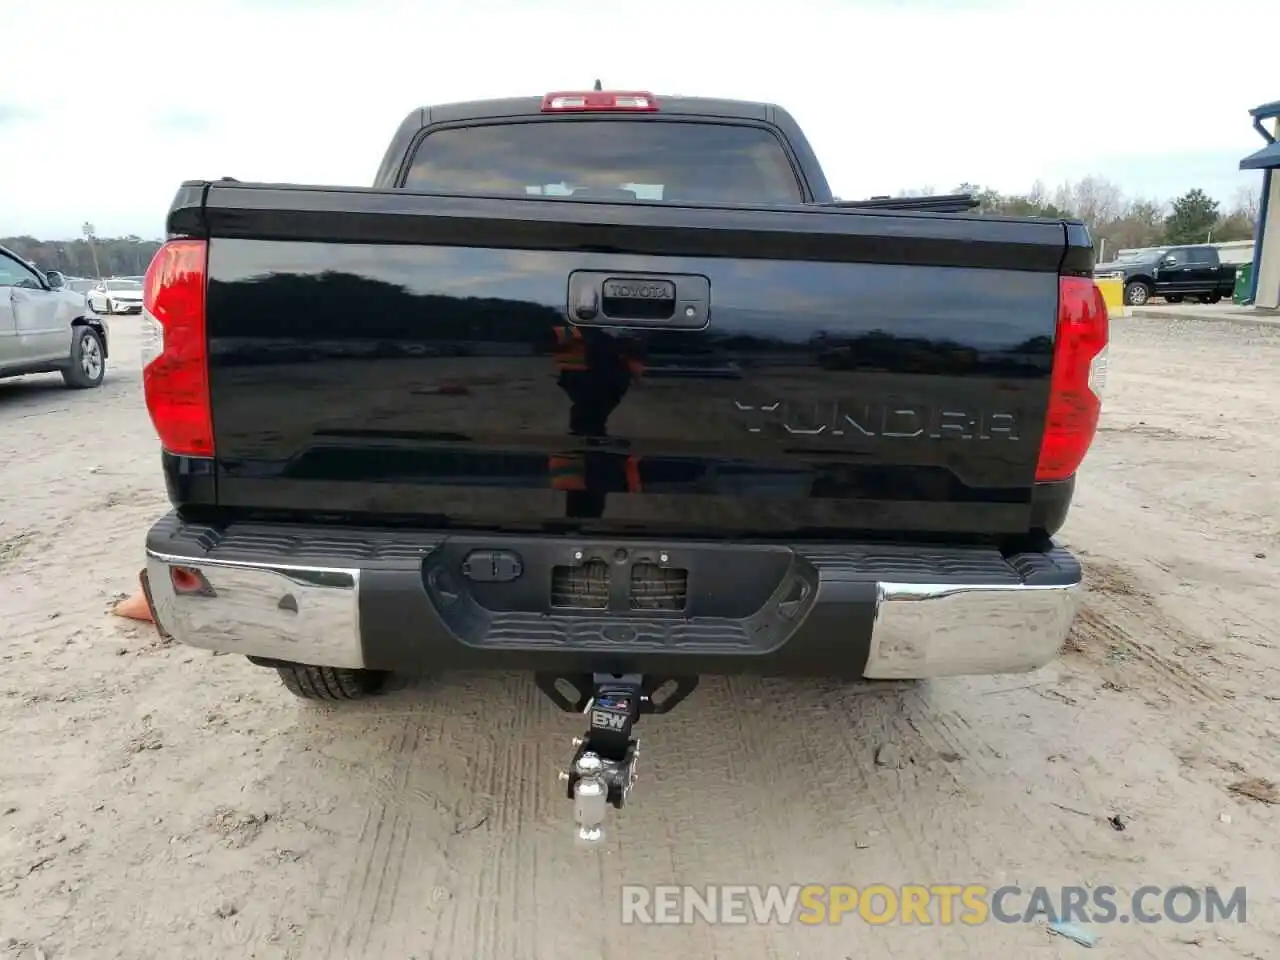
{"type": "Point", "coordinates": [1117, 222]}
{"type": "Point", "coordinates": [117, 256]}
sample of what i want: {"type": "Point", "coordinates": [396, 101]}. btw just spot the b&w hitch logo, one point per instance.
{"type": "Point", "coordinates": [608, 721]}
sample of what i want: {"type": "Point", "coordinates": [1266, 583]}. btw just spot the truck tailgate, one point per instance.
{"type": "Point", "coordinates": [634, 368]}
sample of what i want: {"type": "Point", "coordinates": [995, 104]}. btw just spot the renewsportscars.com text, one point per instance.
{"type": "Point", "coordinates": [935, 904]}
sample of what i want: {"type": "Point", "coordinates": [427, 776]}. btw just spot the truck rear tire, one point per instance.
{"type": "Point", "coordinates": [1137, 293]}
{"type": "Point", "coordinates": [330, 683]}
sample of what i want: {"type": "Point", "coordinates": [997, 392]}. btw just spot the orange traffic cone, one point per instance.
{"type": "Point", "coordinates": [135, 607]}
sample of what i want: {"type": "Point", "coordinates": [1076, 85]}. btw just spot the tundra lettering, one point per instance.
{"type": "Point", "coordinates": [896, 421]}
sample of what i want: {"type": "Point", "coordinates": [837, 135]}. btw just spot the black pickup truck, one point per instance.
{"type": "Point", "coordinates": [608, 388]}
{"type": "Point", "coordinates": [1175, 273]}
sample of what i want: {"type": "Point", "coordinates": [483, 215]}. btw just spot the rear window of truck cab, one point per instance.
{"type": "Point", "coordinates": [608, 159]}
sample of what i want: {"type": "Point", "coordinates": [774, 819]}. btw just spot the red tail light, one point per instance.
{"type": "Point", "coordinates": [1079, 375]}
{"type": "Point", "coordinates": [578, 101]}
{"type": "Point", "coordinates": [175, 373]}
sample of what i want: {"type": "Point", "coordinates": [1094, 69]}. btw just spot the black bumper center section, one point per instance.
{"type": "Point", "coordinates": [604, 596]}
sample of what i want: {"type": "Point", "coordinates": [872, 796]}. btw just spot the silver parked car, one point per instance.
{"type": "Point", "coordinates": [46, 328]}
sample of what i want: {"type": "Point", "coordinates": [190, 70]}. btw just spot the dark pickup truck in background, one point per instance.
{"type": "Point", "coordinates": [608, 388]}
{"type": "Point", "coordinates": [1174, 273]}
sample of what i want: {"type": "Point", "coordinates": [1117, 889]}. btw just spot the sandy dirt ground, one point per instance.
{"type": "Point", "coordinates": [163, 802]}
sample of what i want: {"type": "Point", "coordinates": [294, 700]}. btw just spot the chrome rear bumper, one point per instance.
{"type": "Point", "coordinates": [301, 614]}
{"type": "Point", "coordinates": [210, 590]}
{"type": "Point", "coordinates": [938, 630]}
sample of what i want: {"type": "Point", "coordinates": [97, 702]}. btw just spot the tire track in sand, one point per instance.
{"type": "Point", "coordinates": [1115, 613]}
{"type": "Point", "coordinates": [376, 851]}
{"type": "Point", "coordinates": [495, 862]}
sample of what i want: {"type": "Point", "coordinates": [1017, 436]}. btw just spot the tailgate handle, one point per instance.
{"type": "Point", "coordinates": [616, 299]}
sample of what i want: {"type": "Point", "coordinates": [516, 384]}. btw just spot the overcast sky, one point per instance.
{"type": "Point", "coordinates": [106, 107]}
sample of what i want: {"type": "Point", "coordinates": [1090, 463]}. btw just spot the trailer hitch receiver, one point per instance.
{"type": "Point", "coordinates": [602, 772]}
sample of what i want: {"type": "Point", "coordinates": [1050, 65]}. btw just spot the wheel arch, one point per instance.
{"type": "Point", "coordinates": [98, 326]}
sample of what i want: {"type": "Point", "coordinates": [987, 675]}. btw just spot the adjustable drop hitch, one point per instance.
{"type": "Point", "coordinates": [602, 772]}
